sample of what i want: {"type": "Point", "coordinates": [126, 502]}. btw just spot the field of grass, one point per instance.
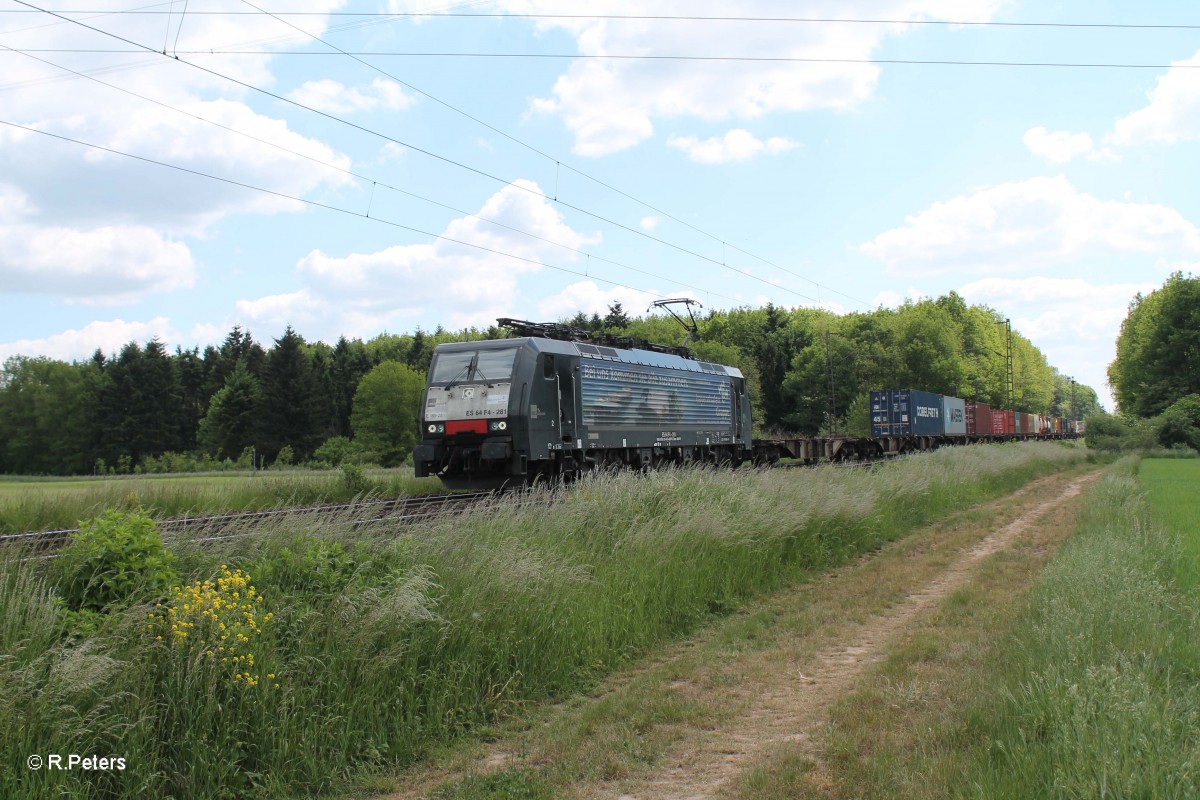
{"type": "Point", "coordinates": [1173, 487]}
{"type": "Point", "coordinates": [1086, 685]}
{"type": "Point", "coordinates": [356, 651]}
{"type": "Point", "coordinates": [1102, 682]}
{"type": "Point", "coordinates": [28, 504]}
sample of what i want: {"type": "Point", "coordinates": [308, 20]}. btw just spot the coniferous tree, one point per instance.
{"type": "Point", "coordinates": [194, 396]}
{"type": "Point", "coordinates": [290, 399]}
{"type": "Point", "coordinates": [616, 317]}
{"type": "Point", "coordinates": [141, 404]}
{"type": "Point", "coordinates": [347, 367]}
{"type": "Point", "coordinates": [232, 421]}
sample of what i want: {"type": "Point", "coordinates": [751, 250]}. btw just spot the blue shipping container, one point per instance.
{"type": "Point", "coordinates": [906, 412]}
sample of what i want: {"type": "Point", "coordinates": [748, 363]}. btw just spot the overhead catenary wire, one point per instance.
{"type": "Point", "coordinates": [144, 11]}
{"type": "Point", "coordinates": [325, 206]}
{"type": "Point", "coordinates": [375, 182]}
{"type": "Point", "coordinates": [357, 55]}
{"type": "Point", "coordinates": [423, 151]}
{"type": "Point", "coordinates": [558, 163]}
{"type": "Point", "coordinates": [646, 57]}
{"type": "Point", "coordinates": [385, 16]}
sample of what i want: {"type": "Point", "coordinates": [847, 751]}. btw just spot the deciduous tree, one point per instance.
{"type": "Point", "coordinates": [386, 411]}
{"type": "Point", "coordinates": [1158, 350]}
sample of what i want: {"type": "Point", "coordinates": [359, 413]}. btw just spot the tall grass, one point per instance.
{"type": "Point", "coordinates": [50, 504]}
{"type": "Point", "coordinates": [1098, 694]}
{"type": "Point", "coordinates": [383, 641]}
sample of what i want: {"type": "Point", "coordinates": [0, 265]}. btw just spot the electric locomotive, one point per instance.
{"type": "Point", "coordinates": [558, 401]}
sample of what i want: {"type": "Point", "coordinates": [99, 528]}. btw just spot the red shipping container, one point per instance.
{"type": "Point", "coordinates": [979, 419]}
{"type": "Point", "coordinates": [1002, 423]}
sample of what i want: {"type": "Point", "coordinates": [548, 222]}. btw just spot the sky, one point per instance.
{"type": "Point", "coordinates": [352, 168]}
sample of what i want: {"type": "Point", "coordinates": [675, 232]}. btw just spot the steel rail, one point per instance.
{"type": "Point", "coordinates": [379, 510]}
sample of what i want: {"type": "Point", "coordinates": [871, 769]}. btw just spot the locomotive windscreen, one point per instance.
{"type": "Point", "coordinates": [468, 366]}
{"type": "Point", "coordinates": [618, 395]}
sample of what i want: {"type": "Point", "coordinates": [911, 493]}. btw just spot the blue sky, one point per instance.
{"type": "Point", "coordinates": [798, 162]}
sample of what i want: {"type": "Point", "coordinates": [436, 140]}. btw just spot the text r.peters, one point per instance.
{"type": "Point", "coordinates": [74, 761]}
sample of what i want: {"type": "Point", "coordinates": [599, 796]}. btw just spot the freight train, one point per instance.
{"type": "Point", "coordinates": [555, 402]}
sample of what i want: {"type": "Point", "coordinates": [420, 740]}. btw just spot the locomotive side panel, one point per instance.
{"type": "Point", "coordinates": [625, 405]}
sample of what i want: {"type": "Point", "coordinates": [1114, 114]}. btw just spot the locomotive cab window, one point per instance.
{"type": "Point", "coordinates": [461, 366]}
{"type": "Point", "coordinates": [548, 367]}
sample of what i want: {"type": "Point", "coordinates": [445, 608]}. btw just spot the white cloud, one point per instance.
{"type": "Point", "coordinates": [78, 345]}
{"type": "Point", "coordinates": [102, 266]}
{"type": "Point", "coordinates": [1025, 225]}
{"type": "Point", "coordinates": [736, 145]}
{"type": "Point", "coordinates": [14, 204]}
{"type": "Point", "coordinates": [611, 105]}
{"type": "Point", "coordinates": [650, 223]}
{"type": "Point", "coordinates": [1173, 113]}
{"type": "Point", "coordinates": [1058, 147]}
{"type": "Point", "coordinates": [588, 297]}
{"type": "Point", "coordinates": [1074, 321]}
{"type": "Point", "coordinates": [332, 97]}
{"type": "Point", "coordinates": [83, 189]}
{"type": "Point", "coordinates": [391, 151]}
{"type": "Point", "coordinates": [1053, 307]}
{"type": "Point", "coordinates": [891, 299]}
{"type": "Point", "coordinates": [363, 293]}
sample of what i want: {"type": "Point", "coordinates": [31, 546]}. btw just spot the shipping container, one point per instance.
{"type": "Point", "coordinates": [979, 419]}
{"type": "Point", "coordinates": [1003, 423]}
{"type": "Point", "coordinates": [1025, 424]}
{"type": "Point", "coordinates": [906, 412]}
{"type": "Point", "coordinates": [954, 416]}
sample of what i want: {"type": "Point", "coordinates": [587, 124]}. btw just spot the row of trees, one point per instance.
{"type": "Point", "coordinates": [809, 371]}
{"type": "Point", "coordinates": [121, 411]}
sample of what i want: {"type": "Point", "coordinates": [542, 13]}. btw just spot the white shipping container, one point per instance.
{"type": "Point", "coordinates": [955, 415]}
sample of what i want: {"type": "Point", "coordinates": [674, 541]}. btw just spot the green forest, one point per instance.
{"type": "Point", "coordinates": [244, 404]}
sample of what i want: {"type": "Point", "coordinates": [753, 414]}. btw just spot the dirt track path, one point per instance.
{"type": "Point", "coordinates": [794, 707]}
{"type": "Point", "coordinates": [835, 629]}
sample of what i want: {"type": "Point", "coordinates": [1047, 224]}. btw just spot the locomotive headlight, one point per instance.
{"type": "Point", "coordinates": [432, 428]}
{"type": "Point", "coordinates": [501, 425]}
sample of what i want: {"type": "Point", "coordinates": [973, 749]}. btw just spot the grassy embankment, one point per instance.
{"type": "Point", "coordinates": [380, 643]}
{"type": "Point", "coordinates": [1085, 686]}
{"type": "Point", "coordinates": [28, 504]}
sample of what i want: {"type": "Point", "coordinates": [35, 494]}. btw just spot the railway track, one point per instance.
{"type": "Point", "coordinates": [212, 527]}
{"type": "Point", "coordinates": [405, 510]}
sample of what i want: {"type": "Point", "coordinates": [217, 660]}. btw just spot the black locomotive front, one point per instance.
{"type": "Point", "coordinates": [485, 405]}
